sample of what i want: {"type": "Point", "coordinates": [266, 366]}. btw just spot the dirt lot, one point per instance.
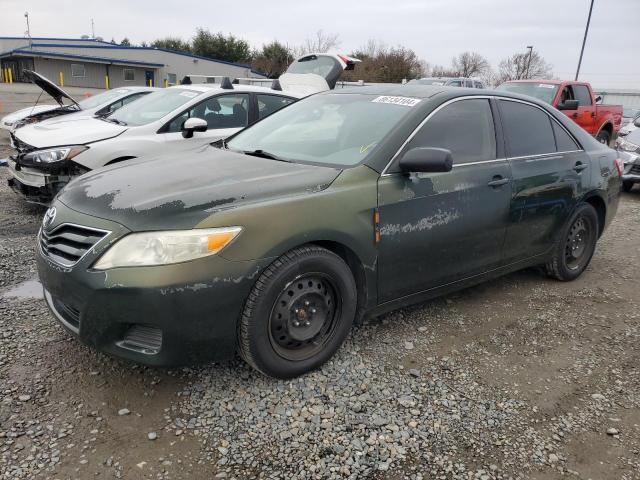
{"type": "Point", "coordinates": [522, 377]}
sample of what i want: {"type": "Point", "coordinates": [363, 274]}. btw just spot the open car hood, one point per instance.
{"type": "Point", "coordinates": [49, 87]}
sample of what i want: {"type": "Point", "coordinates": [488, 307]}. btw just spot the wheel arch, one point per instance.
{"type": "Point", "coordinates": [598, 203]}
{"type": "Point", "coordinates": [606, 127]}
{"type": "Point", "coordinates": [357, 268]}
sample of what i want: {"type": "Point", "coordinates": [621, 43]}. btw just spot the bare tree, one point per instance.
{"type": "Point", "coordinates": [519, 67]}
{"type": "Point", "coordinates": [440, 71]}
{"type": "Point", "coordinates": [321, 43]}
{"type": "Point", "coordinates": [469, 64]}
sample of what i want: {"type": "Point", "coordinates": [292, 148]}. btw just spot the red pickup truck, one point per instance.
{"type": "Point", "coordinates": [577, 101]}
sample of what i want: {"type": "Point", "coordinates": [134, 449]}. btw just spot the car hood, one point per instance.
{"type": "Point", "coordinates": [173, 192]}
{"type": "Point", "coordinates": [12, 118]}
{"type": "Point", "coordinates": [68, 131]}
{"type": "Point", "coordinates": [633, 136]}
{"type": "Point", "coordinates": [49, 87]}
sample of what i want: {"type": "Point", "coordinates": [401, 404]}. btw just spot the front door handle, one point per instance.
{"type": "Point", "coordinates": [575, 115]}
{"type": "Point", "coordinates": [579, 166]}
{"type": "Point", "coordinates": [498, 181]}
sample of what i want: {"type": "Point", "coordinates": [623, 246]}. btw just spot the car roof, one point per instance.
{"type": "Point", "coordinates": [537, 80]}
{"type": "Point", "coordinates": [214, 87]}
{"type": "Point", "coordinates": [407, 90]}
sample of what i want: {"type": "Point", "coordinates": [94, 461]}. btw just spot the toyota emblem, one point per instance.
{"type": "Point", "coordinates": [49, 217]}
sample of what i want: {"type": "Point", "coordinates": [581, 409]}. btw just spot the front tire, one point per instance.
{"type": "Point", "coordinates": [576, 246]}
{"type": "Point", "coordinates": [627, 185]}
{"type": "Point", "coordinates": [298, 313]}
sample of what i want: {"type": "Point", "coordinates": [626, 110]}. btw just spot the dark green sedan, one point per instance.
{"type": "Point", "coordinates": [344, 205]}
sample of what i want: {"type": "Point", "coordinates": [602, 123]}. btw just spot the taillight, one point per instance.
{"type": "Point", "coordinates": [618, 163]}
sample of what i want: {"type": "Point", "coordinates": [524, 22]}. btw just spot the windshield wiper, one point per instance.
{"type": "Point", "coordinates": [264, 154]}
{"type": "Point", "coordinates": [112, 120]}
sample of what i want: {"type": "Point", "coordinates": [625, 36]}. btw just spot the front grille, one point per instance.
{"type": "Point", "coordinates": [66, 244]}
{"type": "Point", "coordinates": [143, 339]}
{"type": "Point", "coordinates": [635, 169]}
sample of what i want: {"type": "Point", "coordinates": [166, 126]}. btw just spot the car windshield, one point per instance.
{"type": "Point", "coordinates": [542, 91]}
{"type": "Point", "coordinates": [102, 98]}
{"type": "Point", "coordinates": [153, 106]}
{"type": "Point", "coordinates": [330, 129]}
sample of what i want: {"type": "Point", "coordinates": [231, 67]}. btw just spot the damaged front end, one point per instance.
{"type": "Point", "coordinates": [40, 116]}
{"type": "Point", "coordinates": [38, 175]}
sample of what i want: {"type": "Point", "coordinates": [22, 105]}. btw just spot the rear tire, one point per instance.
{"type": "Point", "coordinates": [298, 313]}
{"type": "Point", "coordinates": [576, 246]}
{"type": "Point", "coordinates": [604, 137]}
{"type": "Point", "coordinates": [627, 185]}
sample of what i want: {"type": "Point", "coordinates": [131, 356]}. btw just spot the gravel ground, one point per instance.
{"type": "Point", "coordinates": [522, 377]}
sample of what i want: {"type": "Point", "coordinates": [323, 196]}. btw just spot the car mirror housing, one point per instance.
{"type": "Point", "coordinates": [193, 125]}
{"type": "Point", "coordinates": [568, 105]}
{"type": "Point", "coordinates": [636, 122]}
{"type": "Point", "coordinates": [426, 160]}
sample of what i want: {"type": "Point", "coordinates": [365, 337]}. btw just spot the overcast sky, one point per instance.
{"type": "Point", "coordinates": [435, 29]}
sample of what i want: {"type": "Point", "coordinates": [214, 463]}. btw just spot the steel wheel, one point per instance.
{"type": "Point", "coordinates": [304, 316]}
{"type": "Point", "coordinates": [577, 246]}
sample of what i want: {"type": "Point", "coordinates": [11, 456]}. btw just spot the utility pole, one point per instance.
{"type": "Point", "coordinates": [26, 15]}
{"type": "Point", "coordinates": [584, 40]}
{"type": "Point", "coordinates": [93, 33]}
{"type": "Point", "coordinates": [530, 47]}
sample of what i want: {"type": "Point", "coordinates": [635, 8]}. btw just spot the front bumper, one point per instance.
{"type": "Point", "coordinates": [163, 316]}
{"type": "Point", "coordinates": [35, 186]}
{"type": "Point", "coordinates": [631, 166]}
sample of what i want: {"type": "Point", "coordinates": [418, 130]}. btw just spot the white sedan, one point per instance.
{"type": "Point", "coordinates": [173, 120]}
{"type": "Point", "coordinates": [101, 104]}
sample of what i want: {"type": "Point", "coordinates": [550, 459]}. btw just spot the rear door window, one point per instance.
{"type": "Point", "coordinates": [268, 104]}
{"type": "Point", "coordinates": [464, 127]}
{"type": "Point", "coordinates": [527, 129]}
{"type": "Point", "coordinates": [564, 142]}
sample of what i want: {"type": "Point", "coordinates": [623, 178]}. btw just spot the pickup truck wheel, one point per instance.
{"type": "Point", "coordinates": [603, 137]}
{"type": "Point", "coordinates": [627, 185]}
{"type": "Point", "coordinates": [298, 313]}
{"type": "Point", "coordinates": [576, 246]}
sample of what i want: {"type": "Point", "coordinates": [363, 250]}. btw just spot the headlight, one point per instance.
{"type": "Point", "coordinates": [162, 248]}
{"type": "Point", "coordinates": [627, 146]}
{"type": "Point", "coordinates": [53, 155]}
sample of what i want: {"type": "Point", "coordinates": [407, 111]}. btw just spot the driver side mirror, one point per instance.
{"type": "Point", "coordinates": [598, 99]}
{"type": "Point", "coordinates": [193, 125]}
{"type": "Point", "coordinates": [426, 160]}
{"type": "Point", "coordinates": [636, 122]}
{"type": "Point", "coordinates": [568, 105]}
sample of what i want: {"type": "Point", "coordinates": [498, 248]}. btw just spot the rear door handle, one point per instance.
{"type": "Point", "coordinates": [579, 166]}
{"type": "Point", "coordinates": [498, 181]}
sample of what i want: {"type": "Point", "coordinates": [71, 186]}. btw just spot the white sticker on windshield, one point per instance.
{"type": "Point", "coordinates": [188, 94]}
{"type": "Point", "coordinates": [406, 101]}
{"type": "Point", "coordinates": [546, 85]}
